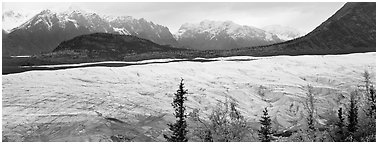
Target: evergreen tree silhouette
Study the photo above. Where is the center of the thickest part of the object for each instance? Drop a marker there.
(179, 128)
(265, 132)
(340, 126)
(372, 102)
(353, 114)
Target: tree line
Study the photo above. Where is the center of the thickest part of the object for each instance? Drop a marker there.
(354, 121)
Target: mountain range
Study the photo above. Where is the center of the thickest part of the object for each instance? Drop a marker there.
(350, 29)
(220, 35)
(44, 31)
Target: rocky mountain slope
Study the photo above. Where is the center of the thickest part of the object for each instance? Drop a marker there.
(283, 32)
(221, 35)
(352, 26)
(47, 29)
(351, 29)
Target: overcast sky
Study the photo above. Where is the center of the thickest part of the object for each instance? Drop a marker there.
(303, 16)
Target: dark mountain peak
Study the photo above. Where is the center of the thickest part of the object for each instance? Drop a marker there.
(348, 8)
(351, 26)
(351, 12)
(106, 45)
(351, 29)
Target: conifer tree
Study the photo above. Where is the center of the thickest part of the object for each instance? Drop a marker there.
(370, 96)
(311, 113)
(372, 102)
(340, 126)
(265, 132)
(179, 128)
(367, 81)
(353, 114)
(367, 120)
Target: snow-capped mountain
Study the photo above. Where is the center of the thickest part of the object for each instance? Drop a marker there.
(222, 35)
(12, 19)
(142, 28)
(283, 32)
(44, 31)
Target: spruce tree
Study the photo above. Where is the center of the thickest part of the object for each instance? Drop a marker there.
(372, 102)
(179, 128)
(369, 96)
(340, 126)
(265, 132)
(310, 108)
(367, 120)
(367, 81)
(353, 114)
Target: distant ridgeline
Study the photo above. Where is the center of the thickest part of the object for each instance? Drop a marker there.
(105, 45)
(351, 29)
(44, 31)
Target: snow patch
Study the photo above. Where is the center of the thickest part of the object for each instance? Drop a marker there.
(121, 31)
(74, 22)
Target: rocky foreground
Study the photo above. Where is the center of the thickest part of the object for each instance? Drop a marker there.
(94, 103)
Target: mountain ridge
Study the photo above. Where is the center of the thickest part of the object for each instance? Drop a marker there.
(44, 31)
(350, 30)
(220, 35)
(107, 45)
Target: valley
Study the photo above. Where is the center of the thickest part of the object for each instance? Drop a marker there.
(78, 76)
(94, 103)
